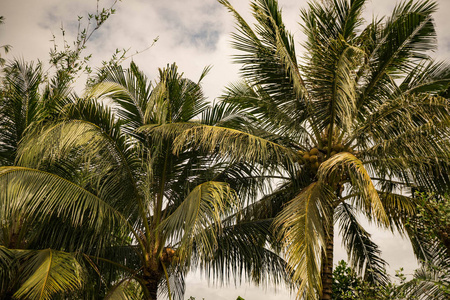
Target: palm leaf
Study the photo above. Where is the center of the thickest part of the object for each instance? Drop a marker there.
(363, 254)
(234, 144)
(302, 231)
(346, 163)
(197, 220)
(38, 195)
(243, 252)
(48, 273)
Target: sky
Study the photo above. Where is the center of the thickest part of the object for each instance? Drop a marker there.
(194, 34)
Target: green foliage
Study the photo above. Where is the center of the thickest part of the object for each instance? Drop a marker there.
(69, 58)
(433, 218)
(429, 282)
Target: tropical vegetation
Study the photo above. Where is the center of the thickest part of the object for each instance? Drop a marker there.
(120, 191)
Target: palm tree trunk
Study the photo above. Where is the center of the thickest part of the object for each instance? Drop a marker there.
(327, 264)
(151, 279)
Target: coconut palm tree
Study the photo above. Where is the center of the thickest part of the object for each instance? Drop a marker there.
(354, 125)
(27, 100)
(106, 190)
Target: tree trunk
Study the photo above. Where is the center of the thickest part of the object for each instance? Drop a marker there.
(327, 263)
(151, 279)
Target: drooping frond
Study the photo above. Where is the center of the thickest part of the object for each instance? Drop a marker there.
(332, 170)
(363, 254)
(197, 220)
(398, 209)
(234, 144)
(98, 154)
(39, 195)
(244, 252)
(175, 283)
(303, 233)
(48, 273)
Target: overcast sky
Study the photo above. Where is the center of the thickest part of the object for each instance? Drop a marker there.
(194, 34)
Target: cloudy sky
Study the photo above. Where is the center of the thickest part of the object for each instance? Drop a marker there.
(194, 34)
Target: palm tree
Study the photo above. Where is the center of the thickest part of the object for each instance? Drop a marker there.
(107, 191)
(27, 100)
(356, 124)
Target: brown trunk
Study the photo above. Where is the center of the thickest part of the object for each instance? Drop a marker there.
(151, 279)
(327, 264)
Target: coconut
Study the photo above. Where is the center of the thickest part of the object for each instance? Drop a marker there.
(306, 157)
(314, 151)
(333, 153)
(315, 165)
(338, 147)
(313, 158)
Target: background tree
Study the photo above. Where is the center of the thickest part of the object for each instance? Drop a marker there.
(5, 48)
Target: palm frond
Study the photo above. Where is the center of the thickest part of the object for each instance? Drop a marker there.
(404, 40)
(20, 106)
(243, 252)
(301, 225)
(48, 273)
(363, 254)
(39, 195)
(234, 144)
(269, 58)
(346, 163)
(197, 220)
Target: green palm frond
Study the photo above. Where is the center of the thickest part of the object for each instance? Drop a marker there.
(270, 58)
(48, 273)
(302, 231)
(38, 195)
(175, 283)
(363, 254)
(129, 89)
(224, 115)
(337, 95)
(429, 76)
(286, 120)
(431, 280)
(8, 267)
(407, 34)
(234, 144)
(125, 289)
(197, 220)
(243, 252)
(398, 209)
(98, 154)
(346, 163)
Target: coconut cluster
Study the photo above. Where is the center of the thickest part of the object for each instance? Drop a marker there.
(317, 155)
(168, 255)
